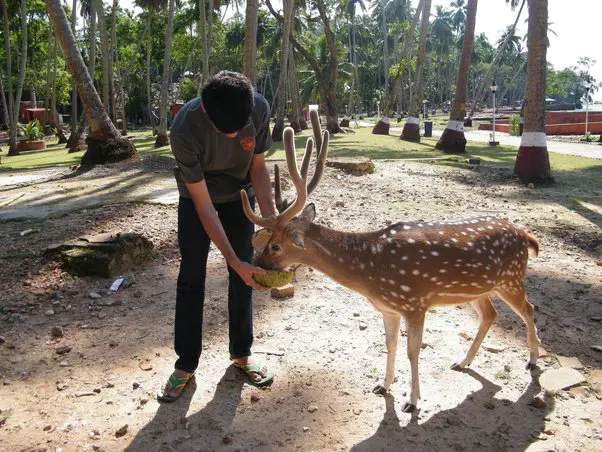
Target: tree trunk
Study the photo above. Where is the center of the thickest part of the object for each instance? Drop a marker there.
(149, 94)
(250, 51)
(487, 78)
(452, 139)
(112, 52)
(296, 110)
(206, 26)
(48, 65)
(162, 138)
(124, 122)
(411, 128)
(382, 126)
(289, 11)
(385, 47)
(532, 161)
(73, 87)
(104, 42)
(5, 118)
(14, 103)
(105, 144)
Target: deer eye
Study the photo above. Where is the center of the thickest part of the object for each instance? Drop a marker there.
(275, 248)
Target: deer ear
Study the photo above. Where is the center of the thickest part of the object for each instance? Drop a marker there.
(309, 212)
(298, 240)
(260, 239)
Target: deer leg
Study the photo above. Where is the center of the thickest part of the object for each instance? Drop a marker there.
(487, 315)
(415, 326)
(517, 300)
(392, 322)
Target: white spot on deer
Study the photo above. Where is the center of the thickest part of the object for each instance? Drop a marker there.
(425, 275)
(392, 232)
(415, 272)
(404, 258)
(371, 264)
(443, 270)
(433, 279)
(405, 288)
(410, 240)
(441, 233)
(384, 236)
(406, 227)
(393, 266)
(340, 259)
(391, 282)
(383, 279)
(434, 253)
(454, 240)
(362, 266)
(402, 272)
(420, 225)
(393, 251)
(393, 294)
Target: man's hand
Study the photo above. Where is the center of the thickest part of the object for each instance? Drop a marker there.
(246, 271)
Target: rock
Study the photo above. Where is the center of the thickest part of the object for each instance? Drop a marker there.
(359, 165)
(305, 429)
(254, 398)
(557, 379)
(135, 385)
(356, 314)
(357, 411)
(465, 335)
(96, 390)
(56, 331)
(339, 204)
(48, 427)
(61, 386)
(538, 402)
(49, 312)
(2, 339)
(598, 348)
(580, 391)
(312, 408)
(85, 394)
(28, 232)
(63, 364)
(94, 295)
(494, 348)
(572, 362)
(595, 379)
(227, 439)
(62, 349)
(531, 185)
(104, 255)
(122, 431)
(143, 401)
(145, 365)
(363, 325)
(283, 292)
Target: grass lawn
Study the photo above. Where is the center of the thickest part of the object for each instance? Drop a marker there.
(361, 143)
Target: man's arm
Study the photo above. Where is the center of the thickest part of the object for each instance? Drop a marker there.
(262, 186)
(210, 221)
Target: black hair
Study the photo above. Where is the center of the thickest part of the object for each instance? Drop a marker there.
(228, 100)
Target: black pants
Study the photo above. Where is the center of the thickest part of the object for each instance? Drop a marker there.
(190, 297)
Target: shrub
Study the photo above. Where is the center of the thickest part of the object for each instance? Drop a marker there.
(514, 125)
(33, 130)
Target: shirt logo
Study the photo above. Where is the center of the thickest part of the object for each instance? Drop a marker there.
(248, 144)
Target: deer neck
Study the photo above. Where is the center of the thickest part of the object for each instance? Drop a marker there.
(337, 254)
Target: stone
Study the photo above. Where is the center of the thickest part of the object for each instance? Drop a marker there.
(465, 335)
(538, 402)
(94, 296)
(595, 379)
(494, 348)
(56, 331)
(49, 312)
(563, 378)
(145, 365)
(84, 393)
(28, 232)
(105, 255)
(363, 326)
(283, 292)
(254, 398)
(2, 339)
(355, 166)
(339, 204)
(122, 431)
(227, 439)
(312, 408)
(572, 362)
(62, 349)
(305, 429)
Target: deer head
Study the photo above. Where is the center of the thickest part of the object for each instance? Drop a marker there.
(282, 241)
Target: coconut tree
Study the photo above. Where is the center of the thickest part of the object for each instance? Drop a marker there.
(73, 87)
(411, 128)
(105, 144)
(14, 102)
(452, 139)
(297, 121)
(250, 52)
(532, 161)
(288, 12)
(206, 30)
(162, 138)
(104, 43)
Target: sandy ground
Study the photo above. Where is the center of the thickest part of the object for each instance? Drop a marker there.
(325, 345)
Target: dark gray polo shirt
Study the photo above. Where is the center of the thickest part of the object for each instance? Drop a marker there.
(202, 152)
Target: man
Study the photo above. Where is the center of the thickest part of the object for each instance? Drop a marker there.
(218, 141)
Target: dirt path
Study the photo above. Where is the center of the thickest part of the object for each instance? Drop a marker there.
(326, 345)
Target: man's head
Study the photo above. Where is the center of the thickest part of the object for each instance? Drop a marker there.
(228, 100)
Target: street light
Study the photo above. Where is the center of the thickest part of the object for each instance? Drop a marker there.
(587, 88)
(493, 90)
(424, 103)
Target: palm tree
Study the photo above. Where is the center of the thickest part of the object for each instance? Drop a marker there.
(452, 139)
(288, 12)
(14, 102)
(73, 87)
(411, 128)
(105, 144)
(532, 161)
(162, 138)
(104, 42)
(297, 121)
(349, 10)
(250, 52)
(206, 29)
(458, 13)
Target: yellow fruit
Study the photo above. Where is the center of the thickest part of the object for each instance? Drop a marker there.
(274, 278)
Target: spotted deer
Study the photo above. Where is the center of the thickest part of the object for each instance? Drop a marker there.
(405, 269)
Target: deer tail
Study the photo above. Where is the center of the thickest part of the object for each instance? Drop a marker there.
(533, 244)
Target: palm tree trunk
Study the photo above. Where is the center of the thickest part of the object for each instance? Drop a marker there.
(104, 42)
(112, 52)
(532, 161)
(162, 138)
(452, 139)
(73, 87)
(382, 126)
(124, 122)
(5, 118)
(296, 111)
(385, 47)
(206, 29)
(48, 65)
(411, 128)
(105, 144)
(487, 78)
(250, 50)
(517, 74)
(289, 10)
(14, 103)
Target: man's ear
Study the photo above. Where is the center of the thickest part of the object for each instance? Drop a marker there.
(309, 212)
(260, 239)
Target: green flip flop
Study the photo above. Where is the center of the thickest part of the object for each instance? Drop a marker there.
(175, 383)
(265, 381)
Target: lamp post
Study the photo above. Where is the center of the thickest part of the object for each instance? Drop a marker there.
(586, 111)
(493, 90)
(424, 102)
(378, 108)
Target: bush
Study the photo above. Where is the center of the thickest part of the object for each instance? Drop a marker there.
(33, 130)
(188, 89)
(514, 125)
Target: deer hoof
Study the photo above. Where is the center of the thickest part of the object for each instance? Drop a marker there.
(531, 366)
(458, 367)
(379, 390)
(408, 407)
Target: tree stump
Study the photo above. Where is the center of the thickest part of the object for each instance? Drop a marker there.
(104, 255)
(352, 166)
